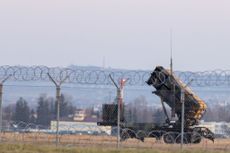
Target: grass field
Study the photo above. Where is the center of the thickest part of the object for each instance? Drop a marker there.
(103, 141)
(28, 148)
(42, 143)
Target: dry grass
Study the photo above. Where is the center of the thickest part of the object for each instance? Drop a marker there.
(106, 142)
(28, 148)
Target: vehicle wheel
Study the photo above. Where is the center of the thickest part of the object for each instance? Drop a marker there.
(196, 138)
(185, 139)
(169, 138)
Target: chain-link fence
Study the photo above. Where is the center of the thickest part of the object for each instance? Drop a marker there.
(83, 95)
(94, 136)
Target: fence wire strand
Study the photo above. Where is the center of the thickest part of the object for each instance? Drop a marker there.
(101, 76)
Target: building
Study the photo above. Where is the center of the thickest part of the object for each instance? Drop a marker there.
(221, 129)
(79, 115)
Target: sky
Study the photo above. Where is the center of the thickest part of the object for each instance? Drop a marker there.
(129, 34)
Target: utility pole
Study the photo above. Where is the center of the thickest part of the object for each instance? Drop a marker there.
(58, 100)
(182, 112)
(119, 98)
(1, 93)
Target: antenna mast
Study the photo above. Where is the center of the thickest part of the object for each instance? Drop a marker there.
(171, 52)
(171, 71)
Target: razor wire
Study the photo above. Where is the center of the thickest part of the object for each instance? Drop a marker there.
(97, 76)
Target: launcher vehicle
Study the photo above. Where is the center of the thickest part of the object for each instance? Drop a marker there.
(168, 88)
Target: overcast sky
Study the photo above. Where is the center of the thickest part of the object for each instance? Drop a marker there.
(130, 34)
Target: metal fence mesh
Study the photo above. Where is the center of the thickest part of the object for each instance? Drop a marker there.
(89, 90)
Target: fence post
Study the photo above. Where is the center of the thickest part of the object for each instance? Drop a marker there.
(58, 100)
(1, 93)
(119, 100)
(118, 116)
(58, 95)
(182, 118)
(182, 112)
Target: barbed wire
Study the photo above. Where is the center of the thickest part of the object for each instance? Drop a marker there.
(99, 76)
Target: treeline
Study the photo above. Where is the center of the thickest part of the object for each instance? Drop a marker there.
(218, 113)
(139, 111)
(44, 112)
